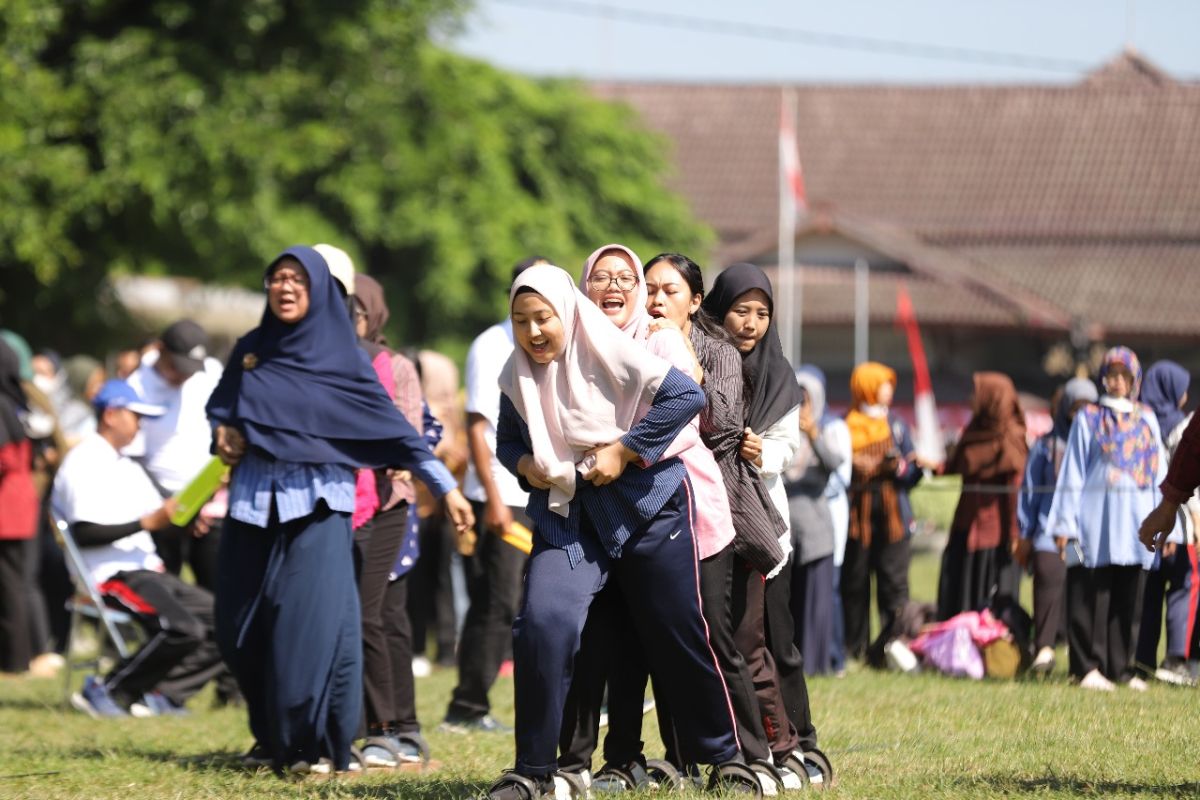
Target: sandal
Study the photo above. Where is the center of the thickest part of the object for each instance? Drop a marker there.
(734, 776)
(515, 786)
(663, 774)
(815, 758)
(613, 778)
(769, 777)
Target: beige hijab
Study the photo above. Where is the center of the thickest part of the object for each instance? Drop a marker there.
(589, 395)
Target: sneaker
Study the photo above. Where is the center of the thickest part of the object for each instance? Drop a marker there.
(96, 701)
(156, 704)
(485, 724)
(1175, 672)
(1043, 662)
(1137, 684)
(647, 706)
(421, 667)
(900, 658)
(257, 757)
(1096, 682)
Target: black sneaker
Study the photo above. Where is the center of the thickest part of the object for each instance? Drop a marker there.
(485, 724)
(1175, 672)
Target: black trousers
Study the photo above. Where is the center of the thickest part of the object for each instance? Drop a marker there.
(889, 561)
(495, 576)
(177, 546)
(1049, 592)
(780, 627)
(1105, 609)
(14, 608)
(397, 628)
(180, 654)
(813, 611)
(656, 574)
(431, 593)
(51, 622)
(376, 545)
(750, 638)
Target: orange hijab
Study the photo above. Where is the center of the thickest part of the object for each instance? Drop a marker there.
(866, 429)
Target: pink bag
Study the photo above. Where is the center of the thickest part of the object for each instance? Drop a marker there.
(953, 652)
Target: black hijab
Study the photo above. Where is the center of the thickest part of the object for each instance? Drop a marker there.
(306, 392)
(12, 396)
(771, 381)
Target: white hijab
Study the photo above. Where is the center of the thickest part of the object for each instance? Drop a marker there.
(638, 323)
(587, 396)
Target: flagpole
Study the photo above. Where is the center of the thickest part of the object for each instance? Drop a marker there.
(787, 233)
(862, 310)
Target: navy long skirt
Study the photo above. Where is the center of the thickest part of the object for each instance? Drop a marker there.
(287, 623)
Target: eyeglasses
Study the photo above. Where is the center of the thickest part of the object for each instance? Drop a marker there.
(280, 278)
(599, 281)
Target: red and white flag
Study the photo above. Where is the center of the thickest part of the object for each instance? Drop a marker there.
(927, 437)
(791, 174)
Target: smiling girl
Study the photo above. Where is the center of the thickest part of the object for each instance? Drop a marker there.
(743, 300)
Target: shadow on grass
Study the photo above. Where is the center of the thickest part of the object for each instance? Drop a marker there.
(33, 704)
(1007, 784)
(377, 783)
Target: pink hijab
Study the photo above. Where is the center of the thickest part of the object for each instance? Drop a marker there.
(639, 322)
(589, 395)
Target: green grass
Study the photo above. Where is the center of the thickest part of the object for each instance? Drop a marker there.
(890, 736)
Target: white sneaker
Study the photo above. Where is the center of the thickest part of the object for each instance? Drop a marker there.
(900, 658)
(1043, 662)
(791, 781)
(1097, 682)
(421, 667)
(1137, 684)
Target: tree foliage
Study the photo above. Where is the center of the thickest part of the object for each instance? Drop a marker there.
(200, 139)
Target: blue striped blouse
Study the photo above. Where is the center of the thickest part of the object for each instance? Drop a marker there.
(615, 510)
(296, 487)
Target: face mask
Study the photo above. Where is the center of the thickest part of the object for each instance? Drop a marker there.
(874, 410)
(49, 384)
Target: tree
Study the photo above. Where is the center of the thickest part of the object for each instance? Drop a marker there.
(167, 137)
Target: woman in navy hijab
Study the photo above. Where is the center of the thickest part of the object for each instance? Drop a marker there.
(299, 408)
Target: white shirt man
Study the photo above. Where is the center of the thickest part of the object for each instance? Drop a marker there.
(112, 507)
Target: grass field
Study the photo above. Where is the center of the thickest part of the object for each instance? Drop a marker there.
(889, 736)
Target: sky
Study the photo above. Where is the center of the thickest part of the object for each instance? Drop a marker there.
(854, 41)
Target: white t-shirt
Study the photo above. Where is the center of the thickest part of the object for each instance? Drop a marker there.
(485, 360)
(97, 484)
(176, 445)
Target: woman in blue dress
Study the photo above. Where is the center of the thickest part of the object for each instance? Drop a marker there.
(298, 410)
(1108, 484)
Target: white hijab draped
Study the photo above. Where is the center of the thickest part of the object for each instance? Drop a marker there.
(589, 394)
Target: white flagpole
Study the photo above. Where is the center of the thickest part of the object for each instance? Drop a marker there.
(788, 318)
(862, 310)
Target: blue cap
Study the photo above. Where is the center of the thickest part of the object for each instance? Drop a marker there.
(117, 393)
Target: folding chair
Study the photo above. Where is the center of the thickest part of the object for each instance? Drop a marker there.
(88, 602)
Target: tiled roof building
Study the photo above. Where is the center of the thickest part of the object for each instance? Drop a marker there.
(1018, 212)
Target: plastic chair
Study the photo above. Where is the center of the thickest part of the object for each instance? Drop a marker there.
(88, 602)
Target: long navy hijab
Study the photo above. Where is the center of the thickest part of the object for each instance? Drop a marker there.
(305, 392)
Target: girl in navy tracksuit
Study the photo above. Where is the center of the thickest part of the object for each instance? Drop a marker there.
(585, 418)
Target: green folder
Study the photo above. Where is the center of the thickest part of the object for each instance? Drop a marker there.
(197, 493)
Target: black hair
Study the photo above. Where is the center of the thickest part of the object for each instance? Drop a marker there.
(691, 273)
(532, 261)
